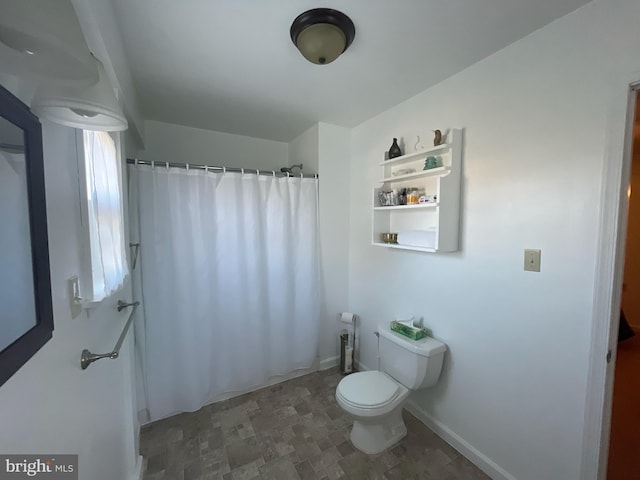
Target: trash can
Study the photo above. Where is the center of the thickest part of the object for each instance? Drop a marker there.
(346, 353)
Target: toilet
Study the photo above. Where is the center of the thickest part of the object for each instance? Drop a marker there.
(375, 398)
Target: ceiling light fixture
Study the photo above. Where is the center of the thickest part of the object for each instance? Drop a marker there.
(90, 108)
(322, 34)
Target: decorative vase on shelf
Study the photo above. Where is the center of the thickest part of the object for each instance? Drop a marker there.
(437, 138)
(431, 162)
(394, 150)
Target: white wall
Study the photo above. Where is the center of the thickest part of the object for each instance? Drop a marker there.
(324, 149)
(165, 142)
(333, 170)
(50, 405)
(305, 149)
(102, 33)
(534, 114)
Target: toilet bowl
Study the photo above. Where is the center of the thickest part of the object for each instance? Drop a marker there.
(374, 399)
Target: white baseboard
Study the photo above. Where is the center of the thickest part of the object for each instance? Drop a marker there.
(139, 470)
(328, 363)
(484, 463)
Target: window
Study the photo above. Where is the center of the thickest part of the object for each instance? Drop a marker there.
(104, 215)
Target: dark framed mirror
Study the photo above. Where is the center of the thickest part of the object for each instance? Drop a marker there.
(26, 314)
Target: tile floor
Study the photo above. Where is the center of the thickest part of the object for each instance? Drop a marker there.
(293, 430)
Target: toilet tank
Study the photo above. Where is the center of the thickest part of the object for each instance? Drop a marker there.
(415, 364)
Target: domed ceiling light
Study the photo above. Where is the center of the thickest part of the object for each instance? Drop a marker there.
(322, 34)
(43, 38)
(91, 108)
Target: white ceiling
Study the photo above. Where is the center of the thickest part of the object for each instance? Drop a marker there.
(230, 65)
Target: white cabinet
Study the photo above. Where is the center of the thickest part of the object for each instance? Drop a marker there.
(432, 226)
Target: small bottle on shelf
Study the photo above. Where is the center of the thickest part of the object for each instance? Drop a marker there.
(412, 196)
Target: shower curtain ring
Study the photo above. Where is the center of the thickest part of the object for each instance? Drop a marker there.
(166, 164)
(206, 169)
(242, 170)
(257, 172)
(273, 172)
(187, 167)
(153, 164)
(224, 170)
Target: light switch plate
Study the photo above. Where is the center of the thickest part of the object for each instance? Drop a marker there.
(532, 260)
(75, 301)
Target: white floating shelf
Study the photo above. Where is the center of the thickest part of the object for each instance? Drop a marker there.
(404, 247)
(442, 216)
(408, 207)
(432, 172)
(410, 157)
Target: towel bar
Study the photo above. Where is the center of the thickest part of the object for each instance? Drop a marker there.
(87, 358)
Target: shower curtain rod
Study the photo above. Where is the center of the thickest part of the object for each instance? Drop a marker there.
(134, 161)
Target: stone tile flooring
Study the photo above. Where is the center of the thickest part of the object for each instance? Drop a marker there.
(293, 430)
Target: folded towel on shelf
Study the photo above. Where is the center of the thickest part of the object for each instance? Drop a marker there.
(418, 238)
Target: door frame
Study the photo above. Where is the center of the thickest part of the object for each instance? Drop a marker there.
(616, 173)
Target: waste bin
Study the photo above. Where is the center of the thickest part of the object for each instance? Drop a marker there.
(346, 353)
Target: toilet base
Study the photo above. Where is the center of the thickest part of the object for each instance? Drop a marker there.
(375, 435)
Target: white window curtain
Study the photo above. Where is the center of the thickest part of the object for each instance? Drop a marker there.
(229, 279)
(104, 213)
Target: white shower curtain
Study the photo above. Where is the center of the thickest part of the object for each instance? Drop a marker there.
(229, 278)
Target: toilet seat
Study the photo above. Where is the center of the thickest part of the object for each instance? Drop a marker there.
(370, 389)
(369, 393)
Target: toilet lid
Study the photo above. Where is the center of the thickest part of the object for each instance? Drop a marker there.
(368, 389)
